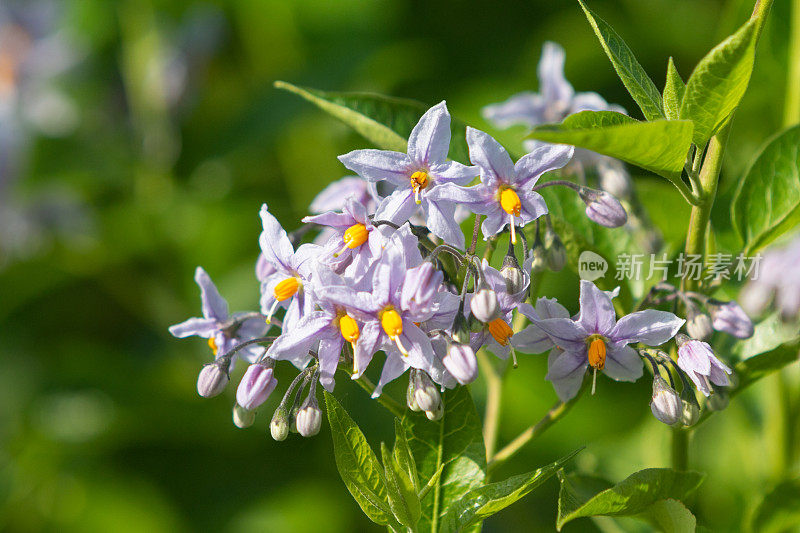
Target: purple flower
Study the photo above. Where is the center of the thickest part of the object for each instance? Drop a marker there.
(417, 175)
(697, 360)
(505, 193)
(354, 243)
(223, 331)
(389, 324)
(730, 318)
(286, 286)
(598, 340)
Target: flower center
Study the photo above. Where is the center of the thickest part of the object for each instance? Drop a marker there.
(392, 324)
(419, 180)
(597, 352)
(212, 343)
(500, 331)
(286, 289)
(511, 204)
(355, 236)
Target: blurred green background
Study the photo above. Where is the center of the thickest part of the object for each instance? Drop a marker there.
(170, 138)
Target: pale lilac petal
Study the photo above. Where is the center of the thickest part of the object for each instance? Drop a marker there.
(550, 308)
(532, 339)
(335, 220)
(453, 172)
(597, 312)
(251, 328)
(495, 221)
(329, 351)
(366, 346)
(492, 159)
(523, 108)
(470, 196)
(418, 344)
(442, 222)
(533, 206)
(552, 83)
(379, 165)
(623, 364)
(331, 198)
(214, 306)
(301, 336)
(202, 327)
(360, 303)
(430, 139)
(718, 373)
(393, 368)
(397, 207)
(651, 327)
(274, 242)
(569, 335)
(566, 374)
(542, 159)
(304, 260)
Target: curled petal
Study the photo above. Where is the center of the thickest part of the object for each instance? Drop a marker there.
(597, 312)
(378, 165)
(651, 327)
(202, 327)
(430, 139)
(214, 305)
(442, 222)
(544, 158)
(492, 159)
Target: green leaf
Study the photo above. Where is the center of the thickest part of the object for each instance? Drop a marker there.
(633, 76)
(718, 83)
(403, 456)
(403, 497)
(483, 502)
(674, 88)
(453, 443)
(384, 121)
(670, 516)
(357, 464)
(767, 201)
(659, 146)
(633, 496)
(779, 510)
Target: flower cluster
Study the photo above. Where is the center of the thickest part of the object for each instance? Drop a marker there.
(391, 273)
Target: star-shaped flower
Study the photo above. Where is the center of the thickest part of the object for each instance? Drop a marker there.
(417, 174)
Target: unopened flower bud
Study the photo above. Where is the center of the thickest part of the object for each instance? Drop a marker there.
(460, 361)
(420, 286)
(512, 274)
(436, 413)
(718, 401)
(555, 252)
(212, 380)
(411, 397)
(730, 318)
(256, 385)
(425, 392)
(279, 426)
(698, 324)
(308, 419)
(539, 258)
(603, 208)
(461, 332)
(243, 418)
(484, 305)
(666, 403)
(691, 412)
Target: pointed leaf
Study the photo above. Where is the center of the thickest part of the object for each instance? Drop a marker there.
(357, 464)
(767, 202)
(454, 443)
(718, 83)
(403, 498)
(659, 146)
(635, 495)
(633, 76)
(670, 516)
(481, 503)
(432, 482)
(403, 456)
(674, 88)
(384, 121)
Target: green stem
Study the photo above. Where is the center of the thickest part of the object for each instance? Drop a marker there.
(555, 414)
(494, 394)
(791, 112)
(680, 449)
